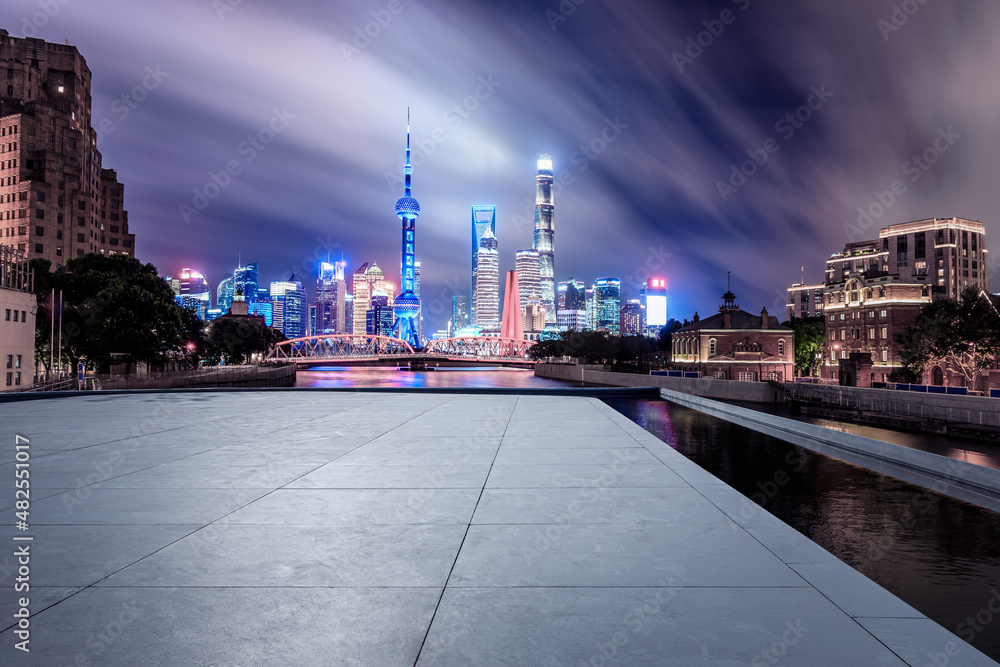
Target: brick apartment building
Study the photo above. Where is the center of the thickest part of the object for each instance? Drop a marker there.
(874, 290)
(56, 199)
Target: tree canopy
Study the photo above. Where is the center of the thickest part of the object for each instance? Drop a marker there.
(963, 334)
(810, 333)
(119, 310)
(234, 340)
(595, 347)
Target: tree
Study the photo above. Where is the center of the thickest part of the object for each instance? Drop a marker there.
(963, 334)
(44, 282)
(665, 341)
(234, 340)
(810, 334)
(119, 310)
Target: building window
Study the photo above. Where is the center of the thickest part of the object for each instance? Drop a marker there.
(38, 248)
(871, 333)
(8, 314)
(10, 359)
(885, 332)
(39, 213)
(885, 354)
(871, 314)
(881, 292)
(39, 231)
(10, 379)
(712, 344)
(843, 334)
(882, 313)
(17, 378)
(17, 361)
(781, 347)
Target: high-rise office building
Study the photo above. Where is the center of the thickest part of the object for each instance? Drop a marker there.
(348, 313)
(631, 318)
(533, 320)
(367, 279)
(483, 218)
(406, 306)
(56, 199)
(487, 297)
(191, 290)
(459, 315)
(607, 298)
(591, 308)
(263, 309)
(526, 265)
(416, 290)
(330, 298)
(545, 236)
(379, 318)
(571, 304)
(245, 278)
(289, 307)
(653, 297)
(225, 292)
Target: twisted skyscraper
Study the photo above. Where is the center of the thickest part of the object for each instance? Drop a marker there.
(407, 305)
(544, 237)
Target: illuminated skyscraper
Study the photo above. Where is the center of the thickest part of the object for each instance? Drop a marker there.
(289, 307)
(483, 218)
(191, 290)
(459, 315)
(591, 309)
(545, 236)
(654, 298)
(378, 318)
(631, 318)
(330, 298)
(607, 299)
(406, 306)
(487, 297)
(349, 313)
(245, 279)
(367, 279)
(225, 292)
(416, 290)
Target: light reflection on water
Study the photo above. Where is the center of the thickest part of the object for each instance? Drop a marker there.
(457, 377)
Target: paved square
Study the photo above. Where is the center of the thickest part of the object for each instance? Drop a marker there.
(315, 528)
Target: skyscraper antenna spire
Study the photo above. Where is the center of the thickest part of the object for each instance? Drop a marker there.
(408, 169)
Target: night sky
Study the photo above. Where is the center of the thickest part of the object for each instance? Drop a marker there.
(645, 122)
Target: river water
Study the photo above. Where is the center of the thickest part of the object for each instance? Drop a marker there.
(940, 555)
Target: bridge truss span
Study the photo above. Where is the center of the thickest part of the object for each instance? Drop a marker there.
(340, 346)
(480, 347)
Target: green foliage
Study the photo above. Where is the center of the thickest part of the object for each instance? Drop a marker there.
(234, 340)
(120, 310)
(666, 339)
(963, 334)
(596, 347)
(810, 333)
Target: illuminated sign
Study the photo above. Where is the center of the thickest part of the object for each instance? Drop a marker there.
(656, 310)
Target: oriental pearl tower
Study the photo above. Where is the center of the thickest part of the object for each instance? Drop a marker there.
(406, 306)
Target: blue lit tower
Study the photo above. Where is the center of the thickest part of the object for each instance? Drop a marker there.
(406, 306)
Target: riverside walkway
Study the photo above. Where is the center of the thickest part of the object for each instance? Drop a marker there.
(336, 528)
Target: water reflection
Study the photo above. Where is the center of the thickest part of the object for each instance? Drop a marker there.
(939, 554)
(457, 377)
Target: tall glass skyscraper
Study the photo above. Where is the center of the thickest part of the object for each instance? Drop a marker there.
(545, 236)
(245, 279)
(487, 297)
(459, 315)
(330, 297)
(191, 290)
(225, 292)
(607, 304)
(483, 218)
(289, 307)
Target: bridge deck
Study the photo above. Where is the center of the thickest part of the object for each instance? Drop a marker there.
(431, 529)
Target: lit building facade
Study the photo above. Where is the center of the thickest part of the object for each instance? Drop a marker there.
(572, 320)
(367, 280)
(735, 345)
(545, 236)
(191, 290)
(631, 318)
(289, 307)
(459, 315)
(526, 265)
(653, 297)
(19, 309)
(379, 318)
(483, 217)
(245, 279)
(487, 297)
(331, 296)
(805, 301)
(56, 199)
(224, 293)
(591, 309)
(607, 304)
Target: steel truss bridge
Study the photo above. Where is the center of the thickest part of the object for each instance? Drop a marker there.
(314, 350)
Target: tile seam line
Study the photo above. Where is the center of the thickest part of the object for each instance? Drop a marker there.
(111, 574)
(468, 527)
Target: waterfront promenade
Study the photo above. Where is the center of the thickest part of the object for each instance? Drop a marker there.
(345, 528)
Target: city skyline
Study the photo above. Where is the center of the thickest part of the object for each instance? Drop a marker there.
(651, 195)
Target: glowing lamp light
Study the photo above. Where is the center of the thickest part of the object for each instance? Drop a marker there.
(545, 164)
